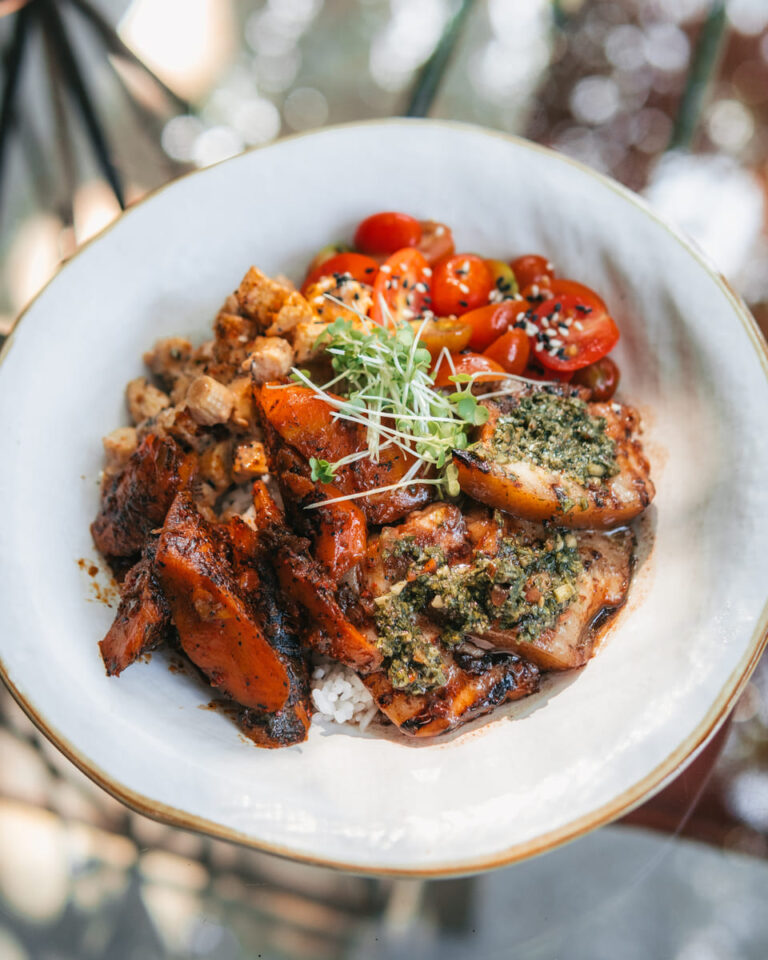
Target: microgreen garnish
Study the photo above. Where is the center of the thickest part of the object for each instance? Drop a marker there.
(383, 381)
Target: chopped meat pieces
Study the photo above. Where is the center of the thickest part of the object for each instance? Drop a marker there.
(208, 401)
(269, 358)
(145, 400)
(250, 461)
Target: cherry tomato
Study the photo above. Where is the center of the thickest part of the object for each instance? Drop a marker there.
(587, 295)
(467, 363)
(489, 322)
(362, 268)
(532, 269)
(602, 378)
(436, 241)
(503, 280)
(403, 283)
(387, 232)
(461, 283)
(511, 351)
(572, 333)
(444, 334)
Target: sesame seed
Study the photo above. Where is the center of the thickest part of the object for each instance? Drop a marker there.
(427, 271)
(464, 288)
(439, 230)
(408, 314)
(539, 347)
(535, 290)
(552, 353)
(578, 324)
(563, 329)
(531, 329)
(545, 322)
(549, 265)
(582, 309)
(521, 315)
(554, 342)
(463, 303)
(317, 299)
(385, 268)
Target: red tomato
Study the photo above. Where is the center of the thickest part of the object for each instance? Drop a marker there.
(532, 269)
(511, 351)
(601, 377)
(436, 241)
(587, 296)
(403, 283)
(387, 232)
(489, 322)
(461, 283)
(573, 333)
(467, 363)
(362, 268)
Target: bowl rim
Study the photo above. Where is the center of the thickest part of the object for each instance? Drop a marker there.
(626, 801)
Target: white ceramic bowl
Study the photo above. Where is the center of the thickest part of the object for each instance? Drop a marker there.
(591, 744)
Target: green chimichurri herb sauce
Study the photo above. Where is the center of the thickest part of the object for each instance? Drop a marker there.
(557, 433)
(524, 587)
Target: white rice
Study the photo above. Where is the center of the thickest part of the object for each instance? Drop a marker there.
(339, 694)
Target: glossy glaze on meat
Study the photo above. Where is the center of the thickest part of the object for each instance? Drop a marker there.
(229, 620)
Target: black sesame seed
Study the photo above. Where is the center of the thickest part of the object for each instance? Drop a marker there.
(583, 309)
(463, 303)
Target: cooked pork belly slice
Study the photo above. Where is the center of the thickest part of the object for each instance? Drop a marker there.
(601, 588)
(474, 686)
(295, 416)
(308, 584)
(143, 619)
(521, 486)
(443, 540)
(138, 497)
(226, 614)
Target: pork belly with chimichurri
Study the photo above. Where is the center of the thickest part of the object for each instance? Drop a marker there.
(546, 454)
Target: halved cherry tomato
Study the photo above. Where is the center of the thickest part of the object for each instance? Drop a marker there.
(572, 333)
(461, 283)
(404, 284)
(532, 269)
(467, 363)
(511, 351)
(360, 267)
(436, 241)
(587, 295)
(442, 334)
(384, 233)
(602, 378)
(489, 322)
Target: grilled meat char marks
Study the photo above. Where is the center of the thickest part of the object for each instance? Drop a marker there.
(139, 497)
(225, 611)
(143, 618)
(474, 686)
(536, 492)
